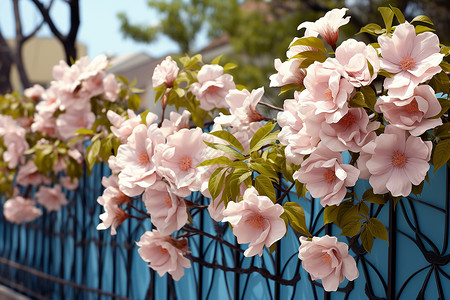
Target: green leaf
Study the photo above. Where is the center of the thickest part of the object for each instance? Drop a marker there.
(296, 216)
(221, 160)
(385, 73)
(215, 183)
(366, 239)
(312, 55)
(84, 131)
(243, 177)
(260, 134)
(441, 154)
(377, 229)
(300, 189)
(264, 186)
(388, 17)
(363, 209)
(133, 101)
(442, 131)
(370, 98)
(398, 13)
(288, 87)
(369, 196)
(417, 189)
(91, 153)
(264, 168)
(445, 65)
(313, 42)
(160, 91)
(228, 137)
(423, 19)
(440, 83)
(229, 66)
(351, 228)
(330, 214)
(419, 29)
(373, 29)
(358, 100)
(216, 60)
(227, 149)
(268, 138)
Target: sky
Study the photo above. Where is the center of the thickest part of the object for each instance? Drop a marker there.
(99, 28)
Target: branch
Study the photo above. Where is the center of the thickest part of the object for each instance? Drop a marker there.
(45, 14)
(271, 106)
(191, 229)
(263, 272)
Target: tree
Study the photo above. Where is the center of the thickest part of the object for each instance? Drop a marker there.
(12, 55)
(262, 30)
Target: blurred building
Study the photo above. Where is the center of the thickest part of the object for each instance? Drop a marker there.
(39, 57)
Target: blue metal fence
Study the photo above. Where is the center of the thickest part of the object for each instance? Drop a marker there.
(62, 256)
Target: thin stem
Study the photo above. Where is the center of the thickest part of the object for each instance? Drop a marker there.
(270, 106)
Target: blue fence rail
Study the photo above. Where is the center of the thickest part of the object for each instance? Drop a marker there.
(62, 256)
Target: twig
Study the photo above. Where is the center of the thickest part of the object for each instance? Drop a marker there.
(270, 106)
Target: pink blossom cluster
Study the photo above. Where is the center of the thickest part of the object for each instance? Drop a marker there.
(158, 163)
(70, 92)
(320, 123)
(14, 139)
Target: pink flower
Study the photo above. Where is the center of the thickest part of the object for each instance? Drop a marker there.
(327, 26)
(255, 220)
(355, 57)
(350, 133)
(138, 171)
(69, 183)
(167, 211)
(73, 120)
(44, 125)
(111, 87)
(289, 72)
(112, 217)
(176, 160)
(49, 105)
(175, 123)
(111, 199)
(165, 73)
(28, 175)
(327, 259)
(18, 210)
(413, 59)
(15, 141)
(414, 113)
(123, 127)
(329, 91)
(397, 161)
(164, 253)
(300, 127)
(212, 87)
(326, 176)
(52, 198)
(34, 92)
